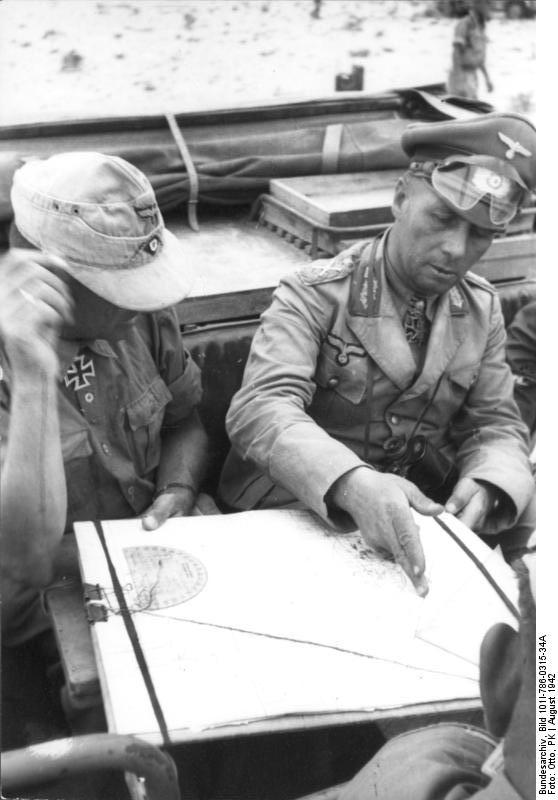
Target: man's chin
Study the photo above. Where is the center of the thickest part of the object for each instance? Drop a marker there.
(114, 331)
(120, 328)
(437, 281)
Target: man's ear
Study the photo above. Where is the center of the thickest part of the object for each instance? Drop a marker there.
(400, 197)
(17, 240)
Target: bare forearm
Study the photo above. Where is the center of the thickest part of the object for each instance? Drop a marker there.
(33, 486)
(181, 470)
(184, 454)
(35, 303)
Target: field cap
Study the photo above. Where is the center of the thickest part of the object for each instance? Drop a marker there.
(484, 167)
(99, 214)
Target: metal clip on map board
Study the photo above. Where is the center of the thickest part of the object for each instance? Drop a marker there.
(95, 606)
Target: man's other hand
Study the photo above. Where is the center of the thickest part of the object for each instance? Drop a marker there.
(471, 502)
(34, 304)
(176, 502)
(380, 505)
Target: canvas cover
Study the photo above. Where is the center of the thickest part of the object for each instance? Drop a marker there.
(235, 162)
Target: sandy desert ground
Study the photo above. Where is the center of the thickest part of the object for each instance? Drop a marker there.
(85, 58)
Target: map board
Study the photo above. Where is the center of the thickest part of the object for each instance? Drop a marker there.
(247, 618)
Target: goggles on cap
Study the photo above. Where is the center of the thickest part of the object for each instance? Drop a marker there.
(466, 181)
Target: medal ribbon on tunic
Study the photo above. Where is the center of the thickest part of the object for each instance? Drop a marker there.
(415, 323)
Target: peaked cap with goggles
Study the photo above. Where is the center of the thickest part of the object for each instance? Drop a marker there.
(484, 168)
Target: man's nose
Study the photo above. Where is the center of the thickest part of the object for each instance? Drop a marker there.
(456, 240)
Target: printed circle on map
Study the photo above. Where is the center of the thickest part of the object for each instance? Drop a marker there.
(163, 576)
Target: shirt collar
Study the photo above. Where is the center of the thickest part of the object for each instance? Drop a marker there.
(69, 348)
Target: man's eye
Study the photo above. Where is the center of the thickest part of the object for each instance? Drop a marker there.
(443, 219)
(481, 233)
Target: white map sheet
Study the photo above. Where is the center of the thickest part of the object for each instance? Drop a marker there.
(259, 615)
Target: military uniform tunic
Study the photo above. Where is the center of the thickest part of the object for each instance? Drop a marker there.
(115, 401)
(330, 362)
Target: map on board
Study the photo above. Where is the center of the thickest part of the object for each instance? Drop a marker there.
(265, 615)
(163, 576)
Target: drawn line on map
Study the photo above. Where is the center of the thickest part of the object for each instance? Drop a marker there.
(310, 643)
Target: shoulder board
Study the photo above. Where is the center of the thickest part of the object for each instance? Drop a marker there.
(476, 280)
(331, 269)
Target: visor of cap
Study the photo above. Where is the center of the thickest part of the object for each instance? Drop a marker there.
(163, 281)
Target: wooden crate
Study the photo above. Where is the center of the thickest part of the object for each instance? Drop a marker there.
(346, 200)
(351, 200)
(509, 258)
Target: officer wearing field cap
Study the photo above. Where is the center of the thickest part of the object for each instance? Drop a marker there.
(98, 400)
(377, 383)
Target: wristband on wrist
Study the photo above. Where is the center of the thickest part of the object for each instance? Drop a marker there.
(173, 485)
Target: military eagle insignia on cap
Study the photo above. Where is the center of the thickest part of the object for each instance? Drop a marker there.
(513, 147)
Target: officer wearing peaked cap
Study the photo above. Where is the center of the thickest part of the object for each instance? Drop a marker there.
(377, 381)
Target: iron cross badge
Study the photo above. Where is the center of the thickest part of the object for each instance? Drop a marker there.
(79, 372)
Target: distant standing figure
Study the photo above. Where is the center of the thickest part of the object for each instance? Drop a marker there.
(469, 52)
(315, 13)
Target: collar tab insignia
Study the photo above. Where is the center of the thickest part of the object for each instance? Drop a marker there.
(458, 304)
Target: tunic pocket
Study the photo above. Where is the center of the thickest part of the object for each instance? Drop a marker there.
(465, 377)
(345, 379)
(453, 392)
(75, 443)
(337, 404)
(145, 417)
